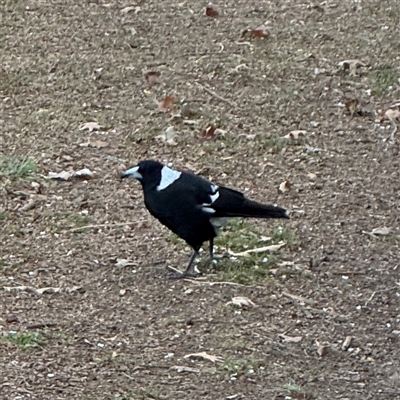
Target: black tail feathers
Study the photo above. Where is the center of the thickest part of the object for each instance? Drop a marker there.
(252, 209)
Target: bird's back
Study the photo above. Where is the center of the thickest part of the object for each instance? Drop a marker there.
(178, 208)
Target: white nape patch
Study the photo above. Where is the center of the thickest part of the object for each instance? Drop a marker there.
(168, 177)
(214, 194)
(207, 210)
(218, 222)
(133, 173)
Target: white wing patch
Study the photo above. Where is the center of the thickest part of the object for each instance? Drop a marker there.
(168, 177)
(213, 196)
(207, 210)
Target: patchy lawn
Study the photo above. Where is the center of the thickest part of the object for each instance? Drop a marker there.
(292, 102)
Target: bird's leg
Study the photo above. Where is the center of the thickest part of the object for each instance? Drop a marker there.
(211, 249)
(190, 269)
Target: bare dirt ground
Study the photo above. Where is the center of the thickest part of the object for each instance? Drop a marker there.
(76, 323)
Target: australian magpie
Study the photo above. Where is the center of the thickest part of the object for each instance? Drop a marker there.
(191, 206)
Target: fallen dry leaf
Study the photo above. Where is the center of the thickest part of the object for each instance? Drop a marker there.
(125, 10)
(291, 339)
(61, 176)
(167, 104)
(29, 206)
(182, 368)
(90, 126)
(241, 302)
(208, 133)
(351, 65)
(351, 106)
(321, 349)
(168, 136)
(284, 187)
(84, 173)
(346, 343)
(294, 135)
(152, 78)
(122, 262)
(260, 32)
(392, 114)
(381, 231)
(48, 290)
(97, 143)
(211, 11)
(204, 356)
(40, 291)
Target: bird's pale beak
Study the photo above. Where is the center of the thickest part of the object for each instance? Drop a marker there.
(132, 173)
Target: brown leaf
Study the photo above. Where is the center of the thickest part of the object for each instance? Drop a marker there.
(208, 133)
(90, 126)
(351, 106)
(167, 104)
(284, 187)
(152, 78)
(205, 356)
(260, 32)
(211, 11)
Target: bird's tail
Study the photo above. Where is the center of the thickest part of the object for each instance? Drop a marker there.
(231, 203)
(252, 209)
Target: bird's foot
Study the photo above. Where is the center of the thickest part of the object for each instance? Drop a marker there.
(177, 274)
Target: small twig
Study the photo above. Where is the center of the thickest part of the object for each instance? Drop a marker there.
(203, 53)
(217, 96)
(348, 272)
(394, 125)
(198, 282)
(370, 299)
(41, 326)
(177, 271)
(298, 298)
(99, 226)
(380, 291)
(271, 248)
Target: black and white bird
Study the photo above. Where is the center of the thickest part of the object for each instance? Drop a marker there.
(191, 206)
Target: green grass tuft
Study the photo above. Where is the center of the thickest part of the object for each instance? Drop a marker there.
(284, 234)
(17, 168)
(239, 366)
(24, 340)
(240, 235)
(382, 78)
(3, 215)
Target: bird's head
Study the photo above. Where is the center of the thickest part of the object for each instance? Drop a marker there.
(147, 172)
